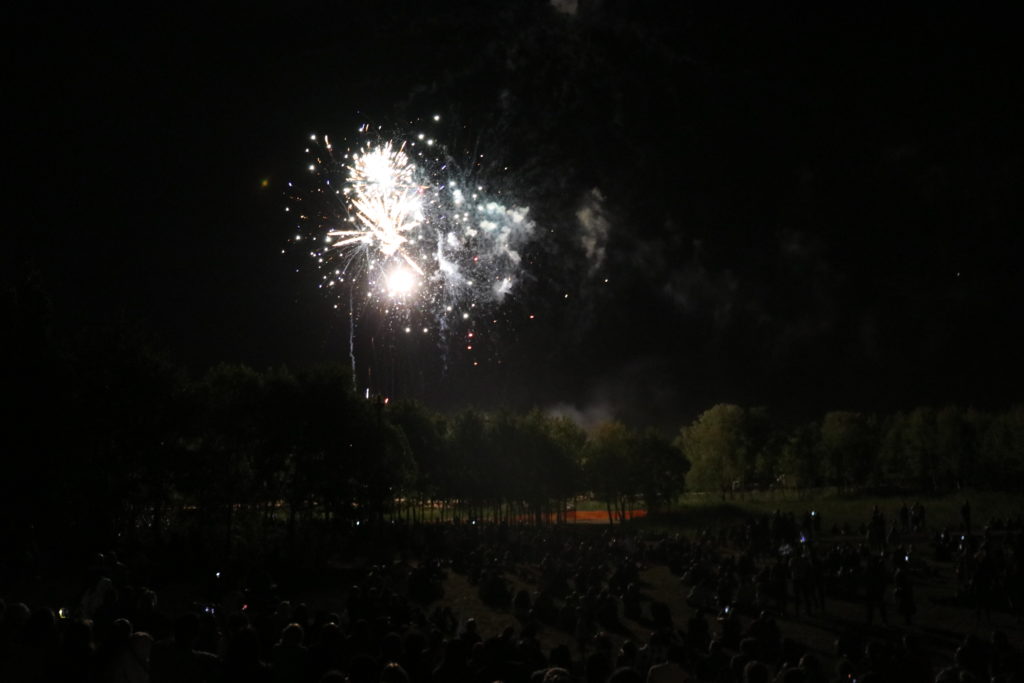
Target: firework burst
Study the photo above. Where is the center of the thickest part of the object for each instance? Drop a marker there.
(400, 228)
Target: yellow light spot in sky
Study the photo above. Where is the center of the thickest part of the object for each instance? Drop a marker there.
(265, 182)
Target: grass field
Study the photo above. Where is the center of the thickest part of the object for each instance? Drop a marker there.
(698, 510)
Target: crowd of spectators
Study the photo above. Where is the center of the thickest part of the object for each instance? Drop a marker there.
(744, 585)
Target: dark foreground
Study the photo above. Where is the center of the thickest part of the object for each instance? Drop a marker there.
(769, 598)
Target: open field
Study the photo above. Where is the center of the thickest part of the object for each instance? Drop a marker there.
(940, 625)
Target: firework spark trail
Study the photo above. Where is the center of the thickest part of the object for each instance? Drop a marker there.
(385, 200)
(352, 336)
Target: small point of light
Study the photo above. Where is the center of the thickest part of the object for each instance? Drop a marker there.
(465, 316)
(566, 296)
(408, 330)
(424, 330)
(312, 167)
(437, 117)
(265, 182)
(313, 137)
(531, 316)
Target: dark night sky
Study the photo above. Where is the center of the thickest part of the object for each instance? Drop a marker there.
(802, 211)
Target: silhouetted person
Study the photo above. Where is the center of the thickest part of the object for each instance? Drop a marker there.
(289, 659)
(453, 667)
(755, 672)
(671, 670)
(625, 674)
(874, 589)
(393, 673)
(326, 654)
(598, 664)
(917, 517)
(242, 661)
(175, 661)
(904, 594)
(77, 659)
(39, 647)
(127, 654)
(800, 571)
(698, 632)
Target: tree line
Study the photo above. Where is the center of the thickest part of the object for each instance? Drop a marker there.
(925, 449)
(107, 440)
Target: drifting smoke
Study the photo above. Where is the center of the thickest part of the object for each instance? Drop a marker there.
(565, 6)
(594, 228)
(587, 417)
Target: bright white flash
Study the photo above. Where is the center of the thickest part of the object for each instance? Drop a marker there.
(401, 282)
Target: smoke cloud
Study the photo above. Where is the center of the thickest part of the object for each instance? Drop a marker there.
(594, 228)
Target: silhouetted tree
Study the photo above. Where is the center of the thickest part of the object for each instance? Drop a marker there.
(717, 446)
(849, 445)
(608, 468)
(800, 457)
(660, 470)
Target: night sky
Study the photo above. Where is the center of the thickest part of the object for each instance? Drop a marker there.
(795, 210)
